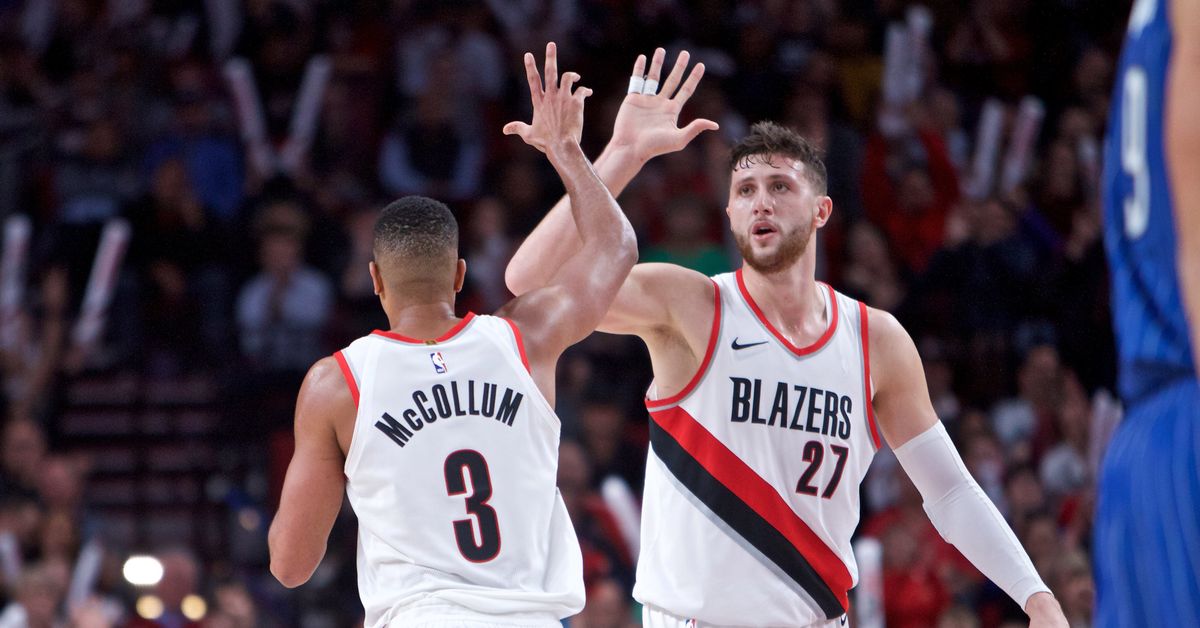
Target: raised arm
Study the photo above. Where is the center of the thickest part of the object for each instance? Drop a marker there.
(955, 503)
(1183, 156)
(645, 128)
(567, 309)
(314, 485)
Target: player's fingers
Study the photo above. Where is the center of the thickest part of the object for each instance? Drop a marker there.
(656, 63)
(535, 81)
(696, 127)
(568, 81)
(551, 66)
(639, 66)
(689, 85)
(583, 92)
(516, 128)
(676, 75)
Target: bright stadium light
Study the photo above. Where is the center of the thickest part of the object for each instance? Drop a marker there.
(142, 571)
(194, 607)
(149, 607)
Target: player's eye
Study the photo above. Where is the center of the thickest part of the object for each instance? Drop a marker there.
(780, 186)
(746, 190)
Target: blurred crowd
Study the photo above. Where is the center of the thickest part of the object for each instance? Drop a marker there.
(248, 145)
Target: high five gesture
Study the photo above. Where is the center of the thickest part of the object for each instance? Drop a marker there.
(648, 119)
(557, 107)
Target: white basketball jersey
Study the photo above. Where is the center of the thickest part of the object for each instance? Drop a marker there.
(754, 470)
(452, 474)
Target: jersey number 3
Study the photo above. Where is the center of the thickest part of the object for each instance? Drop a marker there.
(486, 546)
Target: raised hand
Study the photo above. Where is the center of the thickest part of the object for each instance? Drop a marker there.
(557, 110)
(647, 123)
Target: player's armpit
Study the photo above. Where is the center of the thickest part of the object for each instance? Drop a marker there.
(315, 484)
(901, 401)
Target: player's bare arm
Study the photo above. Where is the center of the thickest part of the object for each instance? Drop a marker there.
(959, 509)
(314, 485)
(646, 127)
(567, 308)
(1183, 155)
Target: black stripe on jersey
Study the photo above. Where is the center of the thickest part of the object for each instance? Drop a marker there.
(755, 530)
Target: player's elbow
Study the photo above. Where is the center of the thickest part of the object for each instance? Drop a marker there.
(290, 564)
(626, 250)
(515, 280)
(289, 571)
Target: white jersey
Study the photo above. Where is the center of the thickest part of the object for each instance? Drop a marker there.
(754, 469)
(452, 474)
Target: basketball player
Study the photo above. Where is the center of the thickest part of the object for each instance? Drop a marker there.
(771, 394)
(441, 430)
(1147, 537)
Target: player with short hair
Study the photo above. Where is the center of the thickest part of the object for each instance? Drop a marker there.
(771, 394)
(442, 430)
(1147, 534)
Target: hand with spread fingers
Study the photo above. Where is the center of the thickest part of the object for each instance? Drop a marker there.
(648, 118)
(557, 107)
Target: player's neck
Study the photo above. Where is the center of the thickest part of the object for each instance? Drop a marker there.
(422, 320)
(790, 299)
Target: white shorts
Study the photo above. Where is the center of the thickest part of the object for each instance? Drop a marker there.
(653, 617)
(435, 615)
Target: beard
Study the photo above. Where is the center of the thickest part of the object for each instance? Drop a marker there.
(792, 245)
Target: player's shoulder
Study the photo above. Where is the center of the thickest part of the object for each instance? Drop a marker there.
(891, 346)
(326, 391)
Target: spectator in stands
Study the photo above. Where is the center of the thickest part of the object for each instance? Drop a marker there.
(38, 596)
(427, 154)
(97, 182)
(210, 155)
(22, 453)
(689, 242)
(282, 311)
(181, 285)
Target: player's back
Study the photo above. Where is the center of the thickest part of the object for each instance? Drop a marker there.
(451, 472)
(1151, 328)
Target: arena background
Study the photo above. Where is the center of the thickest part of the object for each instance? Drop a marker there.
(232, 155)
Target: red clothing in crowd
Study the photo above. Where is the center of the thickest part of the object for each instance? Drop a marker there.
(917, 233)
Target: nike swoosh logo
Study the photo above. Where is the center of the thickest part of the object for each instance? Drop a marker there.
(737, 347)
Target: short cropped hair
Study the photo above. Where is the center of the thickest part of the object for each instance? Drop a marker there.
(767, 139)
(416, 229)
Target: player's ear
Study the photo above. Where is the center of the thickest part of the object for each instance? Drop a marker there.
(376, 279)
(824, 211)
(460, 275)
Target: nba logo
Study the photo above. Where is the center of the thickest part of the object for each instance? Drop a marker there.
(439, 363)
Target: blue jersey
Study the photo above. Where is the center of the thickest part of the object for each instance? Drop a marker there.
(1139, 234)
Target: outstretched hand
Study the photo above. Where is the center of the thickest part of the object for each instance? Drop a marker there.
(647, 122)
(557, 110)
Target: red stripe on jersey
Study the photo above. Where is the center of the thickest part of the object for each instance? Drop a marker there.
(866, 355)
(520, 345)
(800, 351)
(708, 354)
(453, 331)
(732, 472)
(345, 366)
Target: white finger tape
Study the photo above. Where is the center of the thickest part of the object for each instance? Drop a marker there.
(651, 87)
(635, 84)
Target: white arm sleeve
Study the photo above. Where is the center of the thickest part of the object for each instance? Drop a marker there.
(964, 516)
